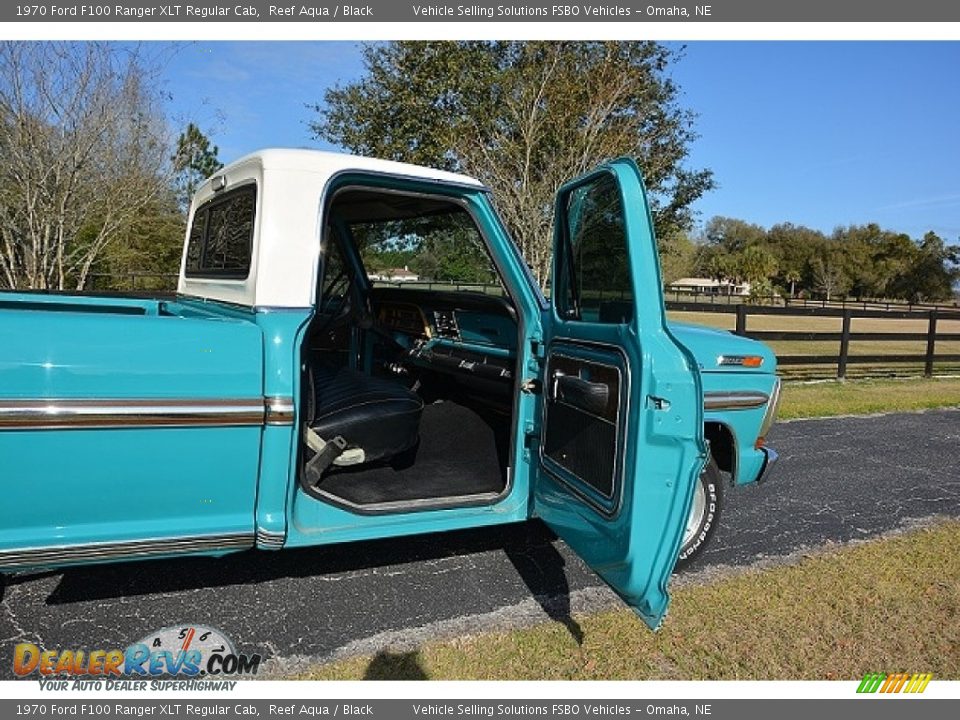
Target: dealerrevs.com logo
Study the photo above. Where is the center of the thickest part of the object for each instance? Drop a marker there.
(185, 651)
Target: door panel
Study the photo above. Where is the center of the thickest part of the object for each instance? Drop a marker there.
(582, 420)
(622, 428)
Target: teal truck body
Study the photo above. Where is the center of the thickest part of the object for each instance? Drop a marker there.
(286, 399)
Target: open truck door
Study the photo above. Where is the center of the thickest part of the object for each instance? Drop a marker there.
(621, 443)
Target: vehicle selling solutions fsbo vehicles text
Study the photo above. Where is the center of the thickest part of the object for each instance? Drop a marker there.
(490, 11)
(559, 11)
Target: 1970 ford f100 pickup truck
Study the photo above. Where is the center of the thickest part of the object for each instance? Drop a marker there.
(284, 399)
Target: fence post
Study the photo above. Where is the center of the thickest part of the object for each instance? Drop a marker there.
(741, 319)
(931, 343)
(844, 345)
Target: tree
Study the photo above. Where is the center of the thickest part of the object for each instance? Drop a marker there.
(737, 250)
(828, 276)
(194, 161)
(524, 117)
(757, 264)
(795, 248)
(932, 273)
(714, 262)
(84, 152)
(793, 277)
(677, 258)
(873, 258)
(733, 235)
(148, 256)
(863, 260)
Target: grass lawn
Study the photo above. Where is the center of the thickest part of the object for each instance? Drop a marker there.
(884, 606)
(861, 397)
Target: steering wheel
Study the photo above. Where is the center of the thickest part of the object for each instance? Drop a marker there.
(354, 309)
(343, 309)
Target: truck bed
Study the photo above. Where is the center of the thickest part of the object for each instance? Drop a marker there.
(114, 304)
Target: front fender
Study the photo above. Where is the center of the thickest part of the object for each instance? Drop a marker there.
(736, 405)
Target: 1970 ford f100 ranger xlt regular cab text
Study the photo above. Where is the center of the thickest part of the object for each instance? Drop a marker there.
(287, 399)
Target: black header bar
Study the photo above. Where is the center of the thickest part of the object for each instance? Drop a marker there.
(538, 11)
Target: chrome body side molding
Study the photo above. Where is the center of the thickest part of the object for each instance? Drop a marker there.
(67, 413)
(270, 540)
(279, 410)
(132, 549)
(734, 400)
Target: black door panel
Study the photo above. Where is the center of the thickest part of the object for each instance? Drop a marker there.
(583, 426)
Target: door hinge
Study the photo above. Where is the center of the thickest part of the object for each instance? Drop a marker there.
(533, 386)
(537, 354)
(531, 436)
(537, 348)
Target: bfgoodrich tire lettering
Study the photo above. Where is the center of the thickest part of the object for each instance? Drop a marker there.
(704, 514)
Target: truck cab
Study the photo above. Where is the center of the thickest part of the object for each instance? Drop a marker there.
(290, 397)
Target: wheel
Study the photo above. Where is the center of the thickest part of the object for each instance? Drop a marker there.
(704, 514)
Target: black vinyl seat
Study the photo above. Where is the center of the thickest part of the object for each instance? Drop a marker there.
(353, 419)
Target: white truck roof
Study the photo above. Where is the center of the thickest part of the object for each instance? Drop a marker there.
(286, 236)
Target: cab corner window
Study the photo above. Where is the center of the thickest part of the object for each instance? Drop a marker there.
(593, 272)
(221, 237)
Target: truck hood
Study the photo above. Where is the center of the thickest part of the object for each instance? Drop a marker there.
(708, 344)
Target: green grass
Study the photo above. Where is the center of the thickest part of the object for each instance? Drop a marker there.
(883, 606)
(862, 397)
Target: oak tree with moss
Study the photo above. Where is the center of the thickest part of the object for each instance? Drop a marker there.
(524, 117)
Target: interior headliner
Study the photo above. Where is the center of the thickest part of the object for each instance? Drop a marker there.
(362, 205)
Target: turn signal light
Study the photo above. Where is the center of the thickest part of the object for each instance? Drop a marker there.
(749, 361)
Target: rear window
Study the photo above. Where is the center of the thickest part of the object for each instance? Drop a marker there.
(221, 237)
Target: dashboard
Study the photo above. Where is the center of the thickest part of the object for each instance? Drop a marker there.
(468, 334)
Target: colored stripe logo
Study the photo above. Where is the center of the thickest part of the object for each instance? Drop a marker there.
(894, 683)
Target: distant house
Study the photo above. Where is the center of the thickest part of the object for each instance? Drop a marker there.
(396, 275)
(709, 286)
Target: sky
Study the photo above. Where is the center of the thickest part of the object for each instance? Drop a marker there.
(822, 134)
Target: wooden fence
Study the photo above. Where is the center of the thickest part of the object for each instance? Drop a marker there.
(843, 358)
(814, 365)
(672, 295)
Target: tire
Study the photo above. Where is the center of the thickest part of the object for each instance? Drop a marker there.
(704, 515)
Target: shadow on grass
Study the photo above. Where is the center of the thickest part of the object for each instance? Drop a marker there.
(395, 666)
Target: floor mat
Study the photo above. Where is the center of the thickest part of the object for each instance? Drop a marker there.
(462, 451)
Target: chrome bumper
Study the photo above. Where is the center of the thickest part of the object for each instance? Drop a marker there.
(770, 458)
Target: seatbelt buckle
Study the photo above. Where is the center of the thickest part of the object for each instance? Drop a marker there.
(323, 459)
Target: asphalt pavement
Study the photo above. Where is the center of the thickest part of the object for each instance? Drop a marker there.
(838, 480)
